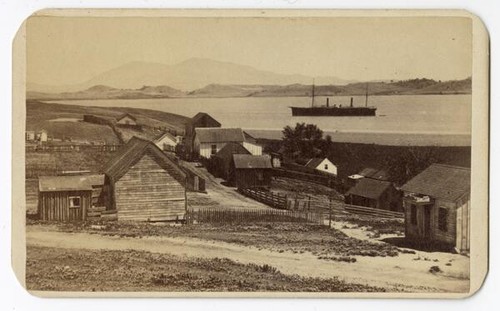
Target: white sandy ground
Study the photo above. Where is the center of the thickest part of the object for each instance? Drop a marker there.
(402, 271)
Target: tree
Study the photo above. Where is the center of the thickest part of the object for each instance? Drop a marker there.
(410, 163)
(305, 140)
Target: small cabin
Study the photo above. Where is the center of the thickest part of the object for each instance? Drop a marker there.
(144, 184)
(323, 165)
(126, 119)
(437, 206)
(249, 171)
(375, 194)
(68, 198)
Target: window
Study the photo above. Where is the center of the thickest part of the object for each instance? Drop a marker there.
(326, 166)
(442, 219)
(74, 202)
(413, 214)
(213, 149)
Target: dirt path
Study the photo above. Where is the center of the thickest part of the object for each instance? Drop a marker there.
(219, 195)
(402, 272)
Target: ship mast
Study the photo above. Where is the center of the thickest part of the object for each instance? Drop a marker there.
(312, 99)
(366, 96)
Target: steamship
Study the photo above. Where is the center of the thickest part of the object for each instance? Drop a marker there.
(334, 111)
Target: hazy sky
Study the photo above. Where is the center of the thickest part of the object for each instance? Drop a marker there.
(71, 50)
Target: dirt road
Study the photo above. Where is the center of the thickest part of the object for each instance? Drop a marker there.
(403, 271)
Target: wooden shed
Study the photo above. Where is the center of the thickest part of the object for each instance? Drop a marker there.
(145, 185)
(68, 198)
(222, 160)
(374, 193)
(437, 206)
(249, 171)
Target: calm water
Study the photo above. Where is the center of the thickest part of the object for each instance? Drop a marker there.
(444, 116)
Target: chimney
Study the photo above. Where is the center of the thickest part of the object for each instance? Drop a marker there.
(327, 102)
(351, 101)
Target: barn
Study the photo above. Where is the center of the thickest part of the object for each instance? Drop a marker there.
(222, 160)
(437, 206)
(375, 194)
(145, 185)
(249, 171)
(68, 198)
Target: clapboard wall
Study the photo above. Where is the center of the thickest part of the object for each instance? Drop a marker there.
(55, 205)
(147, 192)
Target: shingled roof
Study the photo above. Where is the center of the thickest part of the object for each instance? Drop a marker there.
(219, 135)
(251, 161)
(369, 188)
(69, 183)
(132, 152)
(441, 181)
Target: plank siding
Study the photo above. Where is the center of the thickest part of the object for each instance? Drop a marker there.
(54, 206)
(148, 193)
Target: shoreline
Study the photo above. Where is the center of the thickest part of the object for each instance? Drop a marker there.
(381, 138)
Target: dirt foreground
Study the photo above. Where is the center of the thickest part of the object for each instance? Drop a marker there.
(407, 272)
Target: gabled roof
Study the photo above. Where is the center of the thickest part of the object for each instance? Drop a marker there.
(369, 188)
(132, 152)
(69, 183)
(441, 182)
(249, 138)
(374, 173)
(251, 161)
(205, 118)
(219, 135)
(314, 162)
(229, 149)
(126, 115)
(165, 135)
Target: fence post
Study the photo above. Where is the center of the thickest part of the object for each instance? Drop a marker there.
(330, 214)
(309, 202)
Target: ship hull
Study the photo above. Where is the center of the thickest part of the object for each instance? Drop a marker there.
(334, 111)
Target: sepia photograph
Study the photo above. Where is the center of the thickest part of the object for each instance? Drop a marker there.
(252, 152)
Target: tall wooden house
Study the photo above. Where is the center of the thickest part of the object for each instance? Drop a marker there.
(145, 185)
(223, 160)
(200, 120)
(68, 198)
(250, 171)
(437, 206)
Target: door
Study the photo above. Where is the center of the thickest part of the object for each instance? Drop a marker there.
(427, 221)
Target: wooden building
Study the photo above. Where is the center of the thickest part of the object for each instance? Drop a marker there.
(209, 141)
(250, 171)
(375, 194)
(68, 198)
(167, 142)
(322, 165)
(126, 119)
(145, 185)
(437, 206)
(200, 120)
(222, 161)
(250, 144)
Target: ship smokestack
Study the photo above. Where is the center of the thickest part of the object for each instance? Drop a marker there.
(351, 101)
(327, 102)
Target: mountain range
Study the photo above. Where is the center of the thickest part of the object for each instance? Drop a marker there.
(406, 87)
(188, 75)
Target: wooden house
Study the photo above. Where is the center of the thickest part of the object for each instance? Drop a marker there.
(437, 206)
(375, 194)
(145, 185)
(209, 141)
(68, 198)
(250, 144)
(166, 142)
(322, 165)
(249, 171)
(126, 119)
(222, 160)
(200, 120)
(30, 135)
